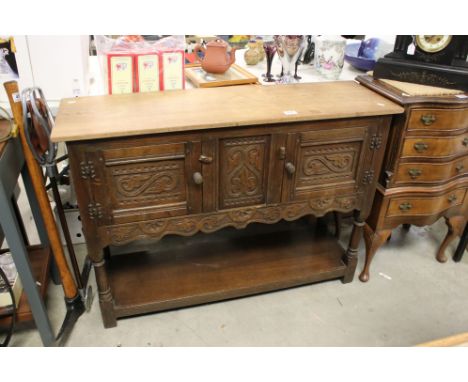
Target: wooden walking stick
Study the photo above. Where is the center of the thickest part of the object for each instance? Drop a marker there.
(72, 297)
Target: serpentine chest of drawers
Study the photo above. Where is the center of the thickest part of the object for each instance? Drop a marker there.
(424, 175)
(148, 165)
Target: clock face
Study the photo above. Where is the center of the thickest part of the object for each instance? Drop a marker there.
(433, 43)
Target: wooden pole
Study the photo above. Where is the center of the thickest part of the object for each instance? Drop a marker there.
(68, 283)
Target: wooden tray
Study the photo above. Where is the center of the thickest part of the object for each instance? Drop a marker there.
(236, 75)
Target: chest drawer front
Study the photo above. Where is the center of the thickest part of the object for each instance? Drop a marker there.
(421, 173)
(425, 206)
(145, 182)
(438, 119)
(243, 171)
(435, 147)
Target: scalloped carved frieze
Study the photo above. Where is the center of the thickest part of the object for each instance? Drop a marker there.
(125, 233)
(320, 203)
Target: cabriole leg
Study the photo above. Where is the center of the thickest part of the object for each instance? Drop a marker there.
(455, 226)
(373, 241)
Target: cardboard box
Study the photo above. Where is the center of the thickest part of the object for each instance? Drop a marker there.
(147, 72)
(120, 72)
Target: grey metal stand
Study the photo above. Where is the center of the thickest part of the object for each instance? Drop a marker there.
(11, 165)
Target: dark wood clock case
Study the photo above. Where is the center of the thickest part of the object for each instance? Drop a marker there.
(447, 68)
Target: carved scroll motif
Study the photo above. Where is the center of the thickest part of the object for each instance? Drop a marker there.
(318, 165)
(327, 163)
(159, 183)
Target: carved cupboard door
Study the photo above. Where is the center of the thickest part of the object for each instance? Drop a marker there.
(145, 180)
(325, 167)
(243, 171)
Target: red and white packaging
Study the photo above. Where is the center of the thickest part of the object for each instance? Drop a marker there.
(147, 72)
(172, 69)
(120, 71)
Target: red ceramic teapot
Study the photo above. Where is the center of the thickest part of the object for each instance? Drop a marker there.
(216, 59)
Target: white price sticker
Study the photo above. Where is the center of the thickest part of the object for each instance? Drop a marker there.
(290, 112)
(16, 97)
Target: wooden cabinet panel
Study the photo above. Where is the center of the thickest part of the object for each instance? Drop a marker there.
(319, 159)
(243, 171)
(438, 119)
(417, 206)
(150, 181)
(435, 147)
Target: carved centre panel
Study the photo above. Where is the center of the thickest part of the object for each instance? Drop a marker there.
(153, 183)
(242, 171)
(327, 163)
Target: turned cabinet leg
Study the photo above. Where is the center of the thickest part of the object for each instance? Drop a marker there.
(373, 241)
(352, 251)
(106, 301)
(455, 226)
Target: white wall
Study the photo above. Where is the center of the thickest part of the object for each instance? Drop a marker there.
(57, 64)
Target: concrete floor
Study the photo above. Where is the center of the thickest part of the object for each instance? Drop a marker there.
(410, 299)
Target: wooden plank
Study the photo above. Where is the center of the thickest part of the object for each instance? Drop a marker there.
(98, 117)
(456, 340)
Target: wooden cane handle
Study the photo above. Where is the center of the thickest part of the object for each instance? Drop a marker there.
(37, 178)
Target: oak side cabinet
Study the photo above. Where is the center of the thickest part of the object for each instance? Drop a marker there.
(176, 163)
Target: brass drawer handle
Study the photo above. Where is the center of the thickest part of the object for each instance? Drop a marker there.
(420, 147)
(197, 178)
(414, 172)
(205, 159)
(290, 168)
(465, 141)
(459, 167)
(452, 198)
(428, 119)
(405, 206)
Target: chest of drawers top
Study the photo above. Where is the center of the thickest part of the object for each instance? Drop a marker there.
(101, 117)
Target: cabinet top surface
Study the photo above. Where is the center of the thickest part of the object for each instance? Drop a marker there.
(110, 116)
